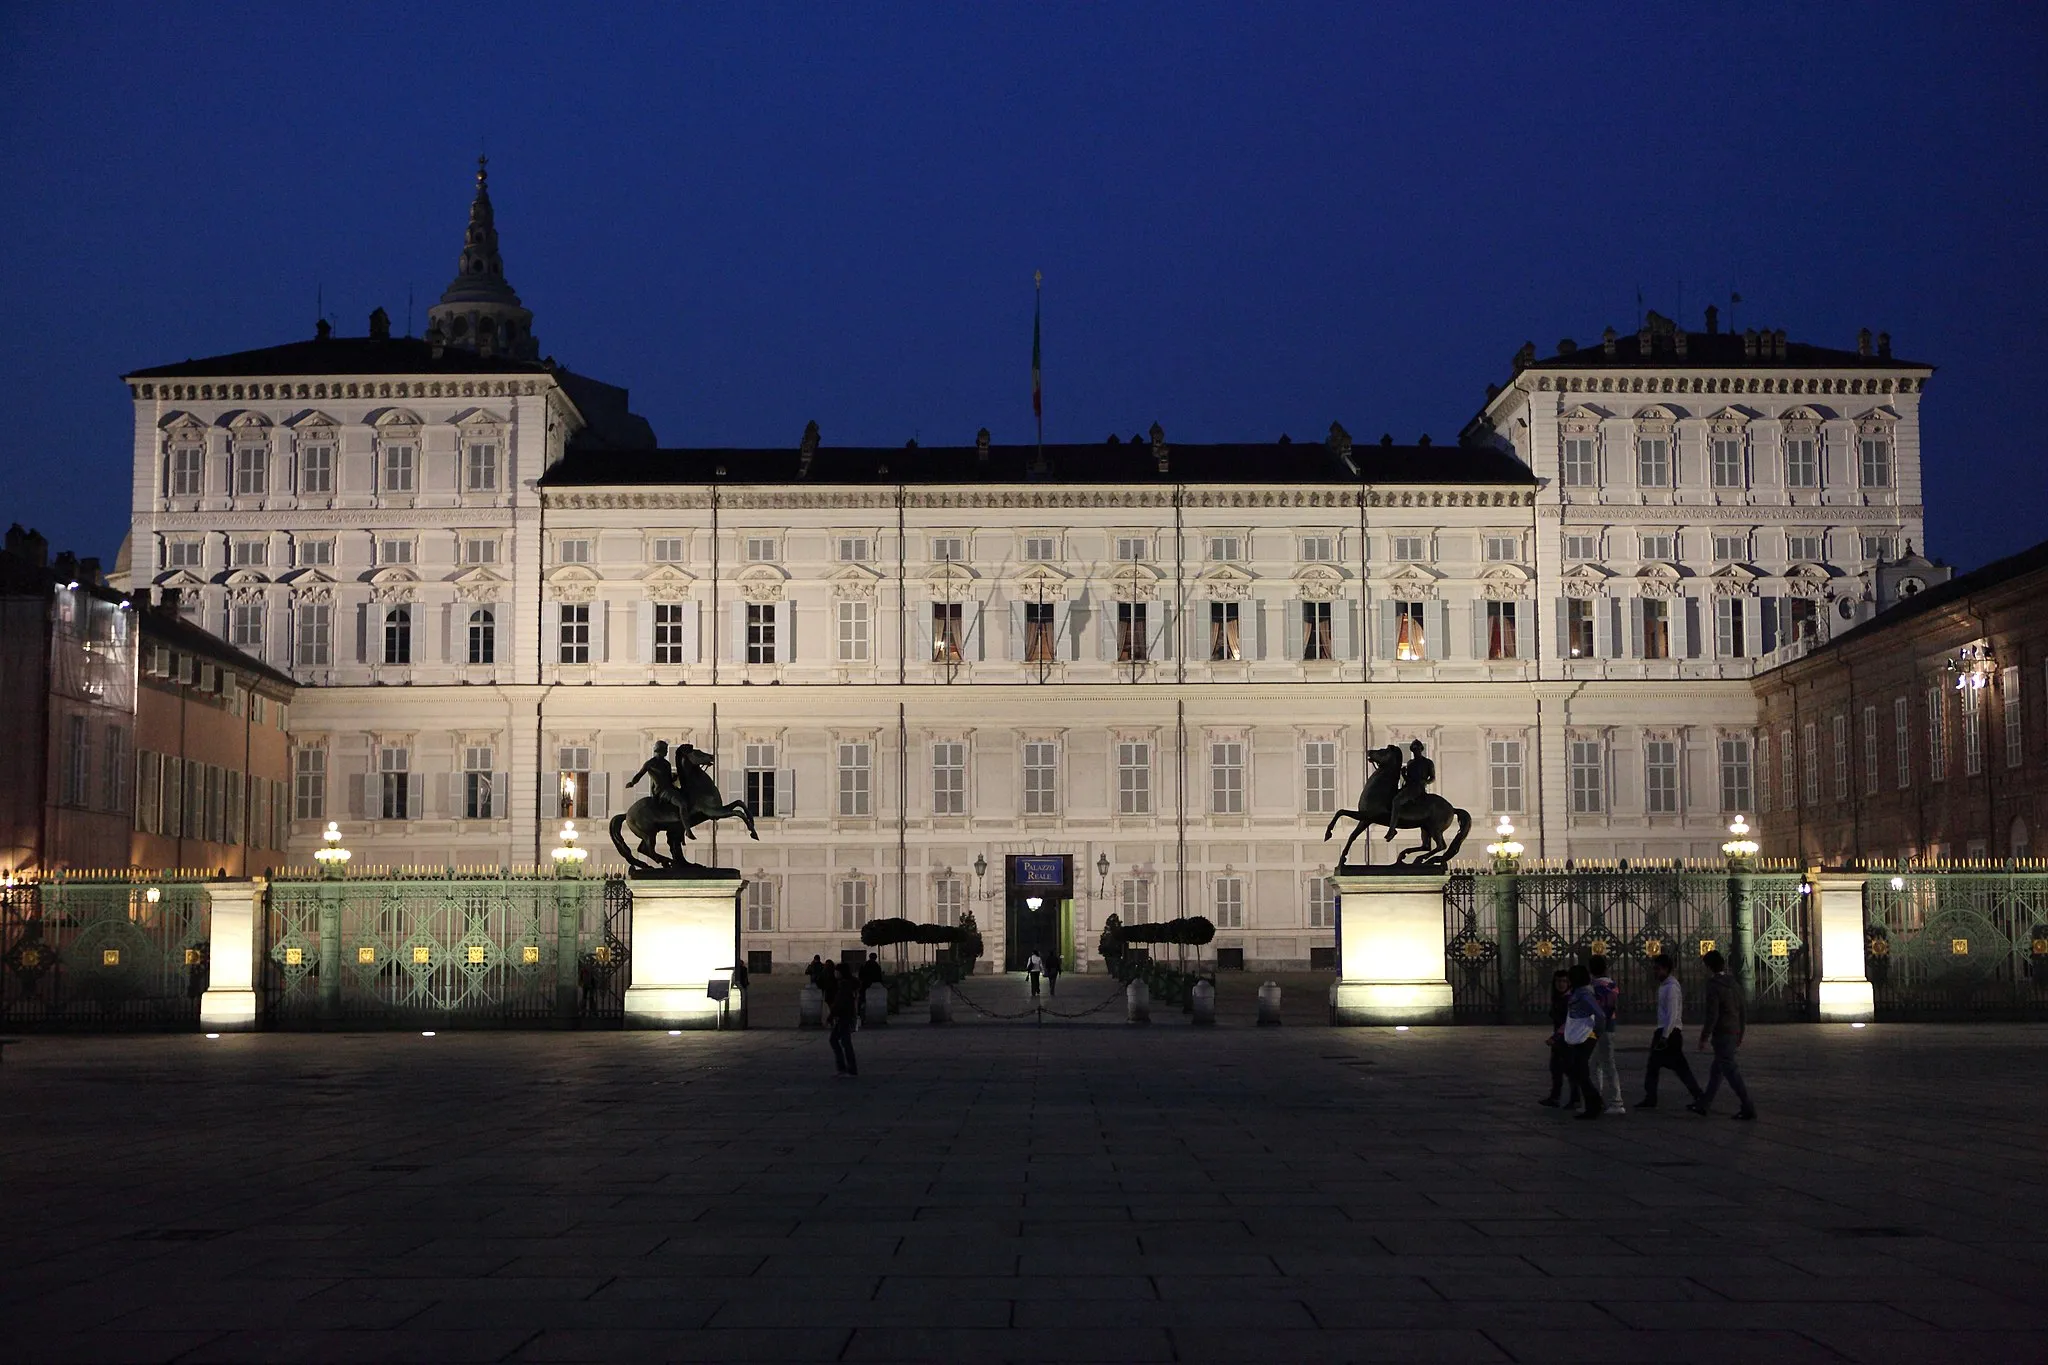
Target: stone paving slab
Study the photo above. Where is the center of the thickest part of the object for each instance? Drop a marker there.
(1012, 1192)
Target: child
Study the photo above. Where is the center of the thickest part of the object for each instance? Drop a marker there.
(1560, 1057)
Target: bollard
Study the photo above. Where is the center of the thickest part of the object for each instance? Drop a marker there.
(1204, 1001)
(942, 1003)
(810, 1007)
(1137, 1003)
(874, 1006)
(1269, 1003)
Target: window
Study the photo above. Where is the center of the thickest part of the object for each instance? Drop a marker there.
(855, 777)
(853, 549)
(314, 552)
(1134, 901)
(1802, 462)
(1799, 618)
(479, 550)
(1041, 549)
(1318, 549)
(1653, 462)
(1809, 753)
(1230, 902)
(252, 470)
(1788, 773)
(398, 635)
(1731, 640)
(1040, 645)
(1874, 457)
(572, 644)
(398, 468)
(1225, 549)
(949, 900)
(1582, 547)
(188, 471)
(1133, 777)
(1870, 750)
(1410, 549)
(1315, 632)
(1504, 772)
(1409, 641)
(1503, 549)
(949, 777)
(248, 554)
(760, 633)
(1319, 777)
(853, 906)
(2009, 708)
(315, 643)
(1840, 728)
(1589, 777)
(1322, 902)
(396, 550)
(1804, 547)
(477, 794)
(1500, 631)
(245, 626)
(184, 554)
(1735, 795)
(480, 467)
(1656, 628)
(575, 550)
(760, 549)
(1725, 455)
(572, 782)
(1876, 548)
(394, 783)
(1133, 548)
(1581, 462)
(1657, 547)
(1578, 628)
(1937, 736)
(309, 784)
(1041, 778)
(852, 617)
(1225, 644)
(759, 779)
(760, 906)
(1731, 549)
(1902, 743)
(1763, 772)
(1660, 777)
(948, 633)
(483, 636)
(949, 549)
(316, 468)
(78, 763)
(670, 647)
(1973, 730)
(666, 550)
(1226, 777)
(1130, 633)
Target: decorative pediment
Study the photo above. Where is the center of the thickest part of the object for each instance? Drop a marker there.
(394, 585)
(1731, 418)
(1802, 418)
(246, 578)
(763, 583)
(385, 418)
(1657, 580)
(1134, 583)
(1226, 583)
(1809, 580)
(1878, 421)
(245, 421)
(1584, 415)
(1585, 580)
(179, 578)
(310, 585)
(573, 583)
(311, 417)
(1734, 581)
(182, 422)
(856, 582)
(1504, 583)
(1040, 583)
(667, 583)
(478, 584)
(479, 417)
(950, 580)
(1657, 416)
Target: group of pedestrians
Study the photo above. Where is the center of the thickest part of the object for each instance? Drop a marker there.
(1049, 967)
(1585, 1006)
(843, 987)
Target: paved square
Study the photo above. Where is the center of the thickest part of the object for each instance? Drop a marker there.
(1011, 1192)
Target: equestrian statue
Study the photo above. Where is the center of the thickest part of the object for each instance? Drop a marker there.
(677, 804)
(1399, 798)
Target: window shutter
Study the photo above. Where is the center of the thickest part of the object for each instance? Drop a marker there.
(1017, 632)
(1692, 627)
(1164, 634)
(1635, 627)
(1077, 627)
(551, 795)
(975, 645)
(358, 796)
(643, 632)
(785, 792)
(693, 640)
(600, 793)
(920, 634)
(601, 628)
(1389, 630)
(415, 796)
(1767, 637)
(1346, 626)
(1257, 607)
(1105, 635)
(501, 795)
(1603, 628)
(1615, 641)
(1439, 638)
(1564, 631)
(447, 632)
(1290, 628)
(785, 632)
(450, 804)
(362, 632)
(1752, 624)
(736, 633)
(1480, 617)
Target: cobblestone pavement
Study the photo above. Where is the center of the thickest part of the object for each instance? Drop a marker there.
(1014, 1193)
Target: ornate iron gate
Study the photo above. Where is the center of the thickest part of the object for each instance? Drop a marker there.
(503, 951)
(102, 954)
(1957, 945)
(1506, 935)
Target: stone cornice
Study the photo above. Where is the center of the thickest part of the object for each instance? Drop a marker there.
(295, 520)
(1605, 514)
(230, 390)
(885, 497)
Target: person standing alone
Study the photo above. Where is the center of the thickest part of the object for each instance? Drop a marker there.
(844, 999)
(1667, 1046)
(1722, 1030)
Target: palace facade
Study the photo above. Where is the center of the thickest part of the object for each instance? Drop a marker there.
(1162, 658)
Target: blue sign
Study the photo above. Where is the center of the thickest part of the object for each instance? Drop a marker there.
(1049, 871)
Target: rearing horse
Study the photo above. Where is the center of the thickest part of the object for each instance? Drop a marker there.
(652, 816)
(1432, 815)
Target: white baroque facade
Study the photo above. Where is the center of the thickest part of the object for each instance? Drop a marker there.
(498, 592)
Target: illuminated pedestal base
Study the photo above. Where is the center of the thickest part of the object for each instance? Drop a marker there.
(229, 1005)
(684, 934)
(1844, 995)
(1392, 931)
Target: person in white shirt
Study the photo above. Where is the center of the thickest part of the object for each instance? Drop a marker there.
(1667, 1048)
(1034, 966)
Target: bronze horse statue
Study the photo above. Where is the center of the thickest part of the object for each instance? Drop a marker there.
(1431, 814)
(656, 814)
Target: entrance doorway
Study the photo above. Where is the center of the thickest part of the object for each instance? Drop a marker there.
(1046, 928)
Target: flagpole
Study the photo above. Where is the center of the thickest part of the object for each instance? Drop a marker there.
(1037, 388)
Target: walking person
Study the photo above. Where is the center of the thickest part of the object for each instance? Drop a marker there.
(1052, 973)
(844, 1001)
(1033, 965)
(1722, 1030)
(1560, 1055)
(1583, 1018)
(1667, 1045)
(1609, 995)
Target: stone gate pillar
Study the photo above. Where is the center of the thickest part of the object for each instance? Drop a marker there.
(232, 938)
(1844, 993)
(1392, 930)
(684, 930)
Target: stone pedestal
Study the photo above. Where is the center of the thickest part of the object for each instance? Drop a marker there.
(684, 932)
(229, 1005)
(1843, 994)
(1392, 929)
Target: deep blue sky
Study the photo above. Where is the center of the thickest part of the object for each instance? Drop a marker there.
(1251, 218)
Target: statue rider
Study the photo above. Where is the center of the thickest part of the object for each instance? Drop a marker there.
(1415, 780)
(661, 777)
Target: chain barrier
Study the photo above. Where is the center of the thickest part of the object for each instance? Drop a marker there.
(1114, 997)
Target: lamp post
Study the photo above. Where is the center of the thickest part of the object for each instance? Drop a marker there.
(331, 856)
(1505, 852)
(1101, 876)
(569, 859)
(1740, 848)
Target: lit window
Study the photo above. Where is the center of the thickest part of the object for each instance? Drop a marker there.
(572, 782)
(573, 634)
(1409, 640)
(1500, 631)
(1041, 646)
(1225, 643)
(1316, 641)
(947, 632)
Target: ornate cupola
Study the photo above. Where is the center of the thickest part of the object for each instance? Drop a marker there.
(478, 311)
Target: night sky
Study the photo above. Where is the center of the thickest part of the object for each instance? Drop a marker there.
(1251, 218)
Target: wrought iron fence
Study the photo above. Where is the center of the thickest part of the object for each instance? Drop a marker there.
(1505, 935)
(102, 953)
(1957, 945)
(476, 951)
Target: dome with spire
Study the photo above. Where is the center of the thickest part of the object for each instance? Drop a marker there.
(479, 311)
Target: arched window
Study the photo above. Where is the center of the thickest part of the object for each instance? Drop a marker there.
(483, 636)
(398, 635)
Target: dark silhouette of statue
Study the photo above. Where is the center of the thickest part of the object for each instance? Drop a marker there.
(1398, 797)
(678, 803)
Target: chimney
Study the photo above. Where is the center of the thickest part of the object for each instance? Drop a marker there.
(89, 570)
(1607, 341)
(1678, 341)
(1778, 343)
(981, 446)
(1339, 442)
(1884, 345)
(1386, 440)
(1566, 346)
(380, 325)
(1863, 341)
(1749, 343)
(1525, 357)
(1645, 340)
(1713, 320)
(807, 451)
(1159, 447)
(1423, 440)
(65, 566)
(322, 330)
(436, 339)
(17, 540)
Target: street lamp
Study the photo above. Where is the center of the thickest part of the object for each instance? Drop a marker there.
(331, 856)
(1504, 851)
(1101, 875)
(568, 858)
(1740, 848)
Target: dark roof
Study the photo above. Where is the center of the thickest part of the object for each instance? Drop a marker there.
(1300, 462)
(342, 355)
(2032, 560)
(168, 627)
(1715, 350)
